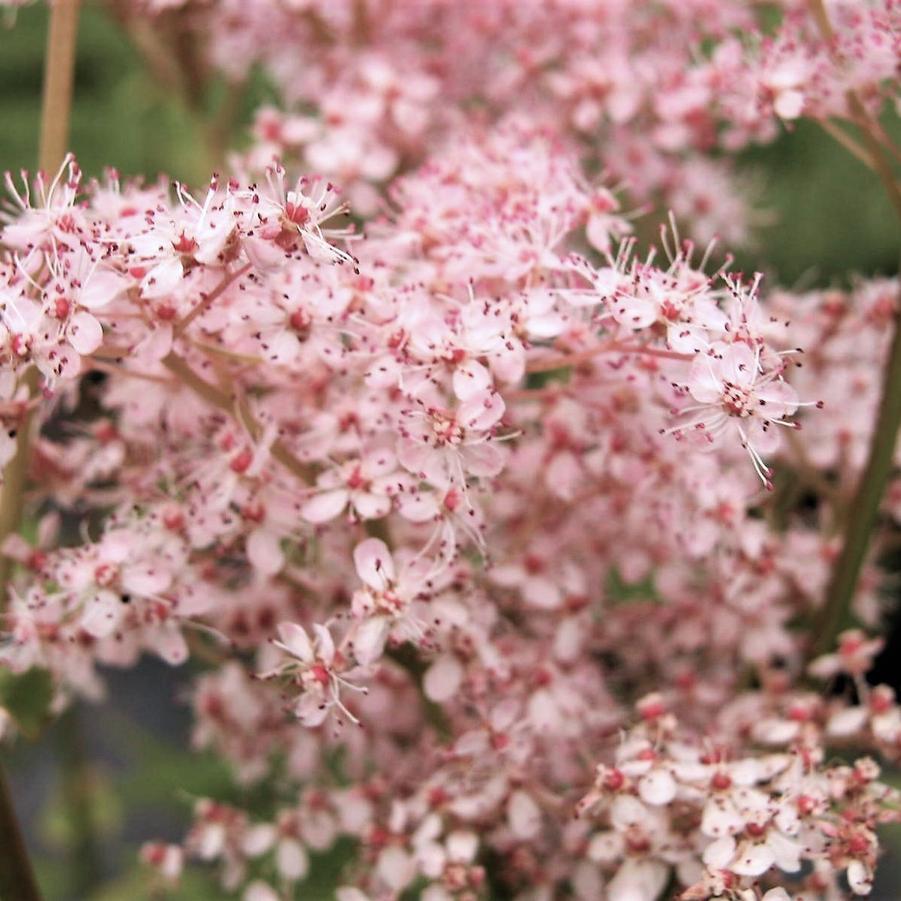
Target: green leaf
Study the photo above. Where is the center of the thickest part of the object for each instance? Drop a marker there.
(619, 591)
(27, 697)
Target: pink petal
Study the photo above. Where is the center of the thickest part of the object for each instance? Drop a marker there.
(103, 287)
(102, 614)
(311, 709)
(369, 639)
(374, 563)
(325, 506)
(170, 644)
(264, 552)
(523, 815)
(296, 641)
(753, 859)
(442, 679)
(163, 278)
(481, 411)
(370, 506)
(483, 460)
(145, 579)
(292, 860)
(471, 379)
(85, 333)
(657, 788)
(541, 592)
(325, 646)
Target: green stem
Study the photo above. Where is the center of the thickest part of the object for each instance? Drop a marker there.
(864, 507)
(59, 75)
(17, 882)
(77, 790)
(12, 491)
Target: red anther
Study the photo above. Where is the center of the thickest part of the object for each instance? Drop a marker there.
(500, 741)
(300, 321)
(297, 213)
(184, 244)
(174, 520)
(858, 845)
(241, 462)
(356, 480)
(105, 574)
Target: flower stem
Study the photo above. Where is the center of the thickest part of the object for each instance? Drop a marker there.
(864, 506)
(59, 71)
(78, 784)
(12, 491)
(17, 881)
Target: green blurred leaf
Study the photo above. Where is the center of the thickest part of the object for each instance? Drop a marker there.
(58, 827)
(141, 882)
(27, 697)
(619, 591)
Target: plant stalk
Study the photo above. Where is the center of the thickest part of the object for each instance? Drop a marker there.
(17, 879)
(863, 509)
(78, 782)
(17, 882)
(59, 74)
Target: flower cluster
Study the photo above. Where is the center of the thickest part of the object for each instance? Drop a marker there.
(475, 505)
(647, 93)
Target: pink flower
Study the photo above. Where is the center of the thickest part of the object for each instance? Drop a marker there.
(384, 605)
(318, 671)
(366, 485)
(445, 446)
(734, 395)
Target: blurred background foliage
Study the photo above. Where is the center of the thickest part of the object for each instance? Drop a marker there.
(827, 218)
(828, 215)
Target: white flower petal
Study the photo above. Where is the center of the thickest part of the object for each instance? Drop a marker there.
(292, 860)
(753, 859)
(657, 788)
